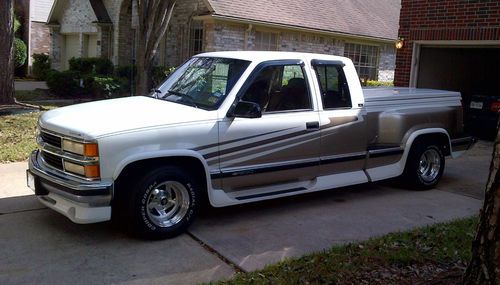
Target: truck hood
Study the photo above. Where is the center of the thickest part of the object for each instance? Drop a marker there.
(107, 117)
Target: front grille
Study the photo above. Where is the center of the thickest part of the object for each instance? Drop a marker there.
(52, 160)
(51, 139)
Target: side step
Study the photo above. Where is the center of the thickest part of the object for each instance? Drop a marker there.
(253, 196)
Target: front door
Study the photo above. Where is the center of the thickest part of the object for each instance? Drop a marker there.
(280, 149)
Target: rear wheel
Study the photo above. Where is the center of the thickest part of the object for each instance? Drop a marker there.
(163, 203)
(424, 167)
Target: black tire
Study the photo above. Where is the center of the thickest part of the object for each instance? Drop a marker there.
(424, 166)
(158, 191)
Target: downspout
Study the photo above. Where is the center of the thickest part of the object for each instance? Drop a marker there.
(247, 33)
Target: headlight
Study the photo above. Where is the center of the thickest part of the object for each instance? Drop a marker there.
(85, 149)
(88, 171)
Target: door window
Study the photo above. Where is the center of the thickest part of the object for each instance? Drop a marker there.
(333, 86)
(279, 88)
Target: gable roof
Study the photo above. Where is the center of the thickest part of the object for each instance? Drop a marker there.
(98, 8)
(368, 18)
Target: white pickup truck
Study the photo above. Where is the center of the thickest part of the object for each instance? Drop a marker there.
(238, 127)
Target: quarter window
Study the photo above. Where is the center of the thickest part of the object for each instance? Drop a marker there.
(333, 85)
(365, 59)
(279, 88)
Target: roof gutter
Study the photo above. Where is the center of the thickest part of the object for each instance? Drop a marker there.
(291, 27)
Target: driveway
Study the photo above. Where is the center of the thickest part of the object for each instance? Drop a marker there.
(40, 246)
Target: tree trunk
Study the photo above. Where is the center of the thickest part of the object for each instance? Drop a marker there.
(153, 19)
(484, 266)
(6, 52)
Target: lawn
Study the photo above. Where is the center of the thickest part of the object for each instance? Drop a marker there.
(17, 136)
(420, 256)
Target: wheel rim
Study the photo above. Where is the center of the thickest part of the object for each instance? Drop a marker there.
(429, 165)
(167, 204)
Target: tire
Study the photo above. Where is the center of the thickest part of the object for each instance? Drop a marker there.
(424, 167)
(163, 203)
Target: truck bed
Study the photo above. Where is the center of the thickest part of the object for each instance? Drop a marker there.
(415, 97)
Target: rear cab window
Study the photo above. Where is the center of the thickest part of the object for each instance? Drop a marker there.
(332, 84)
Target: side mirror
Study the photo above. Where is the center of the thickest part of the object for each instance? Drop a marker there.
(245, 109)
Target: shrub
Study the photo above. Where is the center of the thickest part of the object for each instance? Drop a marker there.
(64, 84)
(91, 65)
(20, 51)
(102, 86)
(374, 83)
(125, 70)
(159, 73)
(41, 65)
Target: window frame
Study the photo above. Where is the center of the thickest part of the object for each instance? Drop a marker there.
(256, 71)
(339, 65)
(269, 43)
(196, 25)
(358, 64)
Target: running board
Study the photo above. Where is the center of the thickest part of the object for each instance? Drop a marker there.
(253, 196)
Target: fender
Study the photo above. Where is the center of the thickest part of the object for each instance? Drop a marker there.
(165, 154)
(396, 169)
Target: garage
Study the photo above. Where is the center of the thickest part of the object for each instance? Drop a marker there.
(473, 71)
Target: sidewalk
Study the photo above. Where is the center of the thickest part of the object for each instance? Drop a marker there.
(29, 85)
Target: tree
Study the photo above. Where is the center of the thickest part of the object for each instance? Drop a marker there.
(484, 266)
(6, 52)
(153, 19)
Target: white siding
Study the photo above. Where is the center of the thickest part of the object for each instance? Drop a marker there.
(40, 10)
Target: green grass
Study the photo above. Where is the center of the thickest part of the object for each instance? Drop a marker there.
(17, 136)
(439, 244)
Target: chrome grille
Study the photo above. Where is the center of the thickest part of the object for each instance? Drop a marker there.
(53, 160)
(51, 139)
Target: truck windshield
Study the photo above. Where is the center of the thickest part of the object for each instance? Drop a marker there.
(203, 82)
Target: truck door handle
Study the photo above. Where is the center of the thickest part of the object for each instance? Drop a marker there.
(312, 125)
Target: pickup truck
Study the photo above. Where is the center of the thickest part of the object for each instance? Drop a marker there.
(238, 127)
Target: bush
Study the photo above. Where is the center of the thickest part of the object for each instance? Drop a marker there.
(374, 83)
(91, 65)
(20, 51)
(125, 70)
(159, 73)
(41, 65)
(64, 84)
(102, 86)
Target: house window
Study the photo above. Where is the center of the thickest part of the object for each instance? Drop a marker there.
(265, 41)
(196, 37)
(365, 59)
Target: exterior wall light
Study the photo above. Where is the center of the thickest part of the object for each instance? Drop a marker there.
(399, 43)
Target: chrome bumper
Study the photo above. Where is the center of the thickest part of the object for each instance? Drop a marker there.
(81, 201)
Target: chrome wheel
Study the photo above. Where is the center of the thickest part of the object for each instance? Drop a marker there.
(429, 165)
(167, 204)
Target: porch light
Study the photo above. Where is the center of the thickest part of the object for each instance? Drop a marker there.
(399, 43)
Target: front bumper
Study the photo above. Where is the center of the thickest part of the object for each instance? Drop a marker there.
(83, 202)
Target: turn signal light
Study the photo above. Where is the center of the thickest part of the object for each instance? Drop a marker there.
(92, 171)
(90, 149)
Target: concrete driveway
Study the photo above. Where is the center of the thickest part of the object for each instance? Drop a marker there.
(40, 246)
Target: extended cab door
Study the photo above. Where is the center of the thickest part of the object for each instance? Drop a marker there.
(343, 133)
(280, 150)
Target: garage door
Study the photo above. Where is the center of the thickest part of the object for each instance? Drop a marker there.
(467, 70)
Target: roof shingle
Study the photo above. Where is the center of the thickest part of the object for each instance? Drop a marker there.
(371, 18)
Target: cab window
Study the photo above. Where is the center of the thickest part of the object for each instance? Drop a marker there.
(279, 88)
(333, 86)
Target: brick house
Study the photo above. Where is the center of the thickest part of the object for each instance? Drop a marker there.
(450, 44)
(365, 31)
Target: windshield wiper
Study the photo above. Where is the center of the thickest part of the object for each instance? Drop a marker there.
(187, 99)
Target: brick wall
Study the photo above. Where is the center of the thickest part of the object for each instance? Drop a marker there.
(40, 38)
(449, 20)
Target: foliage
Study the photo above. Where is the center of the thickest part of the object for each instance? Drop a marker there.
(159, 73)
(20, 51)
(64, 84)
(41, 65)
(17, 24)
(125, 70)
(102, 86)
(386, 259)
(91, 65)
(374, 83)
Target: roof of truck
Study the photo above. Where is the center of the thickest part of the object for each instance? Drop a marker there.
(270, 55)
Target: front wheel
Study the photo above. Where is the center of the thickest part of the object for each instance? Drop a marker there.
(424, 167)
(163, 203)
